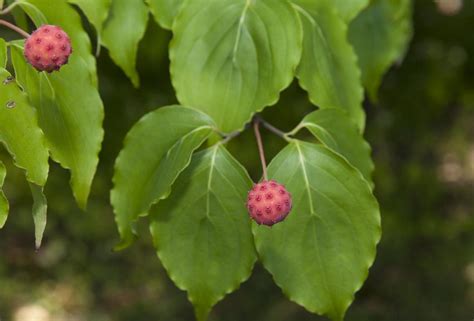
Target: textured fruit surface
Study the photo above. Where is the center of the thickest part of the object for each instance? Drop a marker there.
(48, 48)
(269, 203)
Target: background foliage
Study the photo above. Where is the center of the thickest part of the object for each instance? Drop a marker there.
(421, 132)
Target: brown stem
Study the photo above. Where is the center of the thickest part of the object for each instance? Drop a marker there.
(256, 127)
(14, 28)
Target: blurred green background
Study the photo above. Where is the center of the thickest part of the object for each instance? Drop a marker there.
(422, 134)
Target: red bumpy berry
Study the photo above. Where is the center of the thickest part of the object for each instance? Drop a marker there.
(269, 203)
(48, 48)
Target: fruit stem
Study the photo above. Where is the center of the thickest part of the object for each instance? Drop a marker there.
(14, 28)
(272, 128)
(256, 127)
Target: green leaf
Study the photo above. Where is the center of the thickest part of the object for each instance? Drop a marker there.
(60, 13)
(156, 150)
(96, 11)
(4, 207)
(3, 53)
(164, 11)
(320, 255)
(349, 9)
(70, 113)
(333, 128)
(380, 36)
(231, 58)
(19, 131)
(202, 231)
(40, 209)
(122, 32)
(328, 68)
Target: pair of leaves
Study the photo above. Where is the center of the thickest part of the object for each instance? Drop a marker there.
(120, 26)
(231, 59)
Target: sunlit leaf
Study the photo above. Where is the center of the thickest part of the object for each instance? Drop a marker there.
(231, 58)
(202, 231)
(164, 11)
(19, 131)
(320, 255)
(4, 207)
(40, 209)
(122, 32)
(333, 128)
(328, 68)
(156, 150)
(349, 9)
(3, 53)
(380, 36)
(70, 113)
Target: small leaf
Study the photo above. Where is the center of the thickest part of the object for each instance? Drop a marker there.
(349, 9)
(202, 231)
(19, 131)
(96, 11)
(164, 11)
(40, 209)
(320, 255)
(3, 53)
(4, 207)
(60, 13)
(231, 58)
(328, 68)
(335, 130)
(70, 113)
(156, 150)
(122, 32)
(380, 36)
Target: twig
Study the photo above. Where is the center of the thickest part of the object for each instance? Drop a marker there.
(14, 28)
(256, 127)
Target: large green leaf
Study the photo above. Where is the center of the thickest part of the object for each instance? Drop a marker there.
(164, 11)
(122, 32)
(3, 53)
(328, 68)
(202, 231)
(70, 113)
(40, 209)
(96, 11)
(19, 131)
(59, 12)
(231, 58)
(333, 128)
(4, 207)
(156, 150)
(320, 255)
(349, 9)
(380, 36)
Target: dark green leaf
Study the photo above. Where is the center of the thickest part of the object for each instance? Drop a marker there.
(328, 68)
(202, 231)
(96, 11)
(40, 209)
(333, 128)
(122, 32)
(156, 150)
(70, 113)
(320, 255)
(380, 36)
(4, 207)
(164, 11)
(19, 131)
(231, 58)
